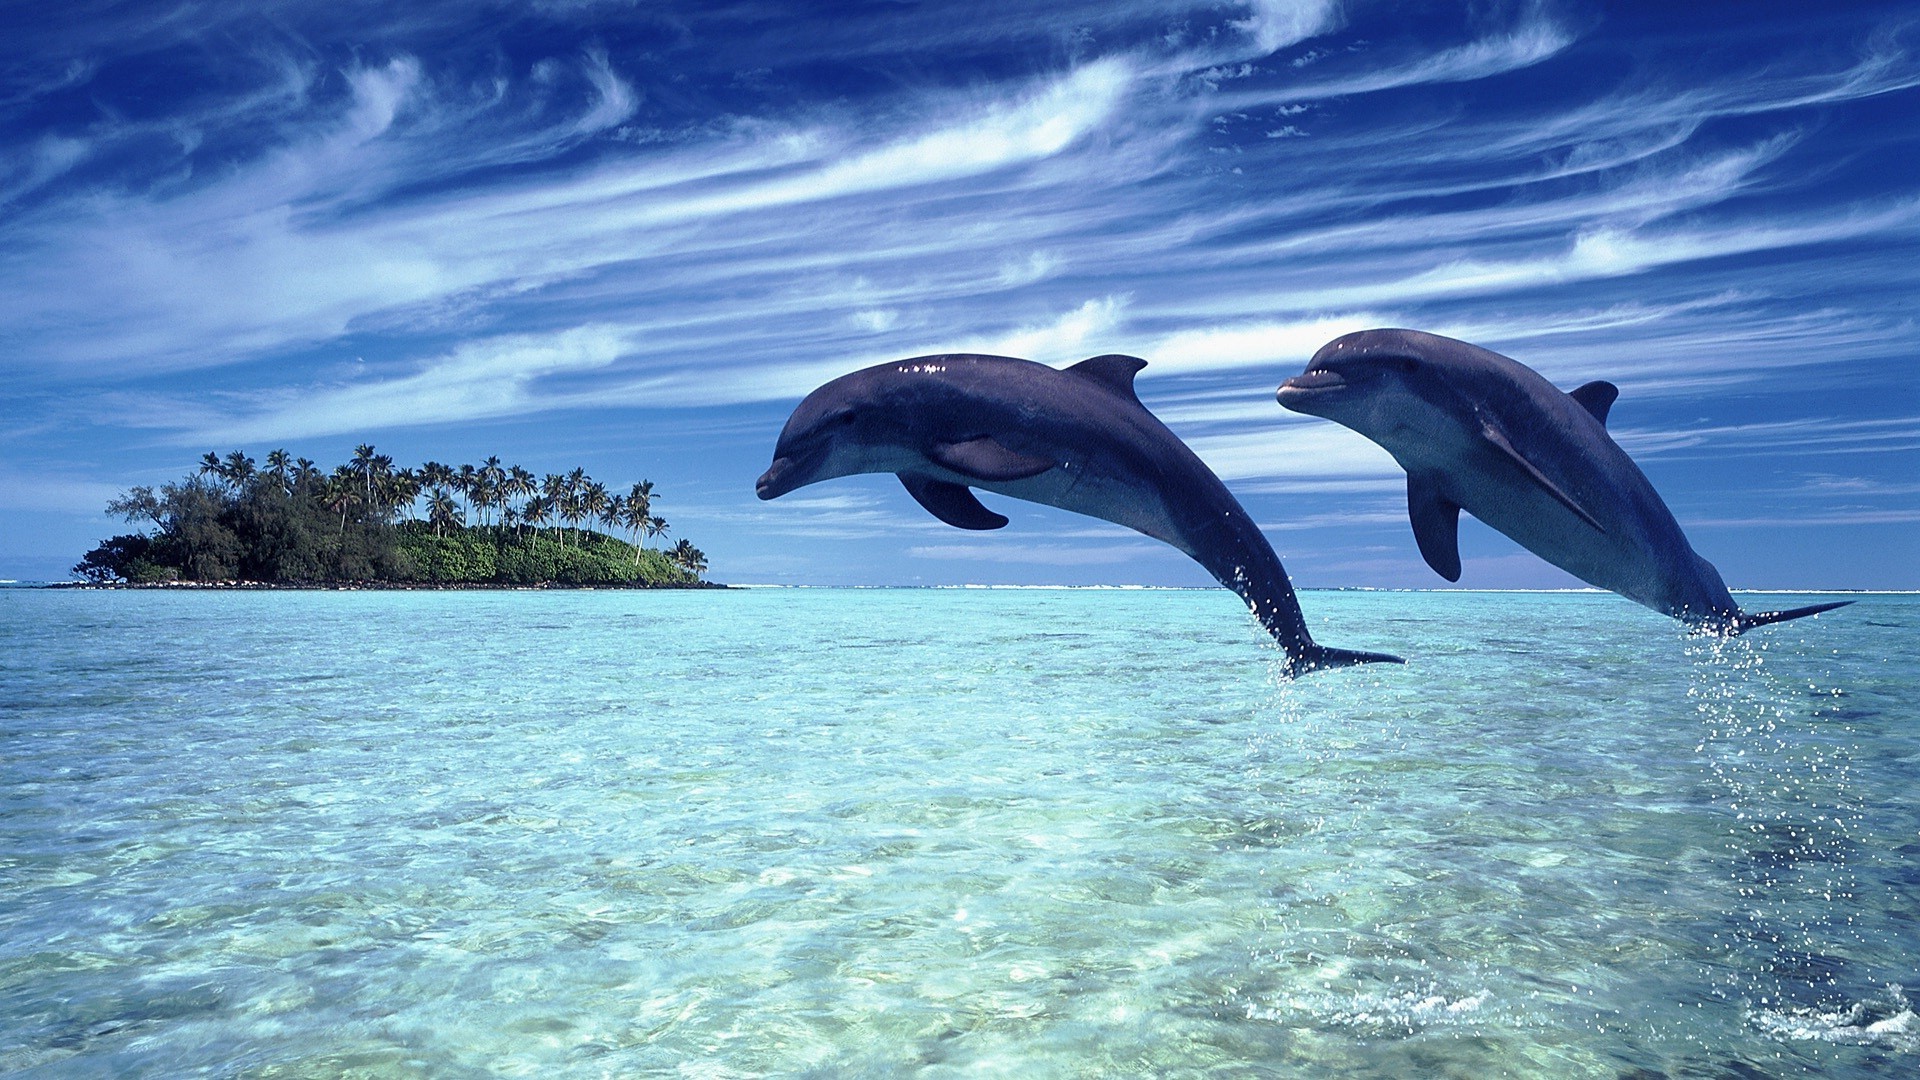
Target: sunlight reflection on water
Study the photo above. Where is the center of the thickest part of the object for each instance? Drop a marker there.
(1033, 832)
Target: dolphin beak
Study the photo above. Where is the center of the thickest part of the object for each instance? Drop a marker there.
(1308, 385)
(789, 471)
(777, 480)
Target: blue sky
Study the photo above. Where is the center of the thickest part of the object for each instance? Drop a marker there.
(630, 236)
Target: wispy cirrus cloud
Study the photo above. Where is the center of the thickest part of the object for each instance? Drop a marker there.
(258, 262)
(1806, 435)
(1005, 551)
(477, 380)
(563, 216)
(1536, 38)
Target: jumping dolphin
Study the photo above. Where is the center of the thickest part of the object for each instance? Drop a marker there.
(1076, 438)
(1478, 431)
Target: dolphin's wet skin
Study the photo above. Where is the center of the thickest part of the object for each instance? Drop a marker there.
(1478, 431)
(1078, 439)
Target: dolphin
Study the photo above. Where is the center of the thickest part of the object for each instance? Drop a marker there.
(1076, 438)
(1478, 431)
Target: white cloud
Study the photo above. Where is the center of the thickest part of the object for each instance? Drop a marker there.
(255, 262)
(1596, 253)
(1530, 43)
(1807, 435)
(51, 157)
(1293, 450)
(1035, 554)
(1000, 135)
(1276, 24)
(1036, 266)
(616, 100)
(1279, 345)
(1338, 519)
(378, 94)
(479, 379)
(1066, 338)
(1813, 519)
(51, 491)
(750, 258)
(875, 320)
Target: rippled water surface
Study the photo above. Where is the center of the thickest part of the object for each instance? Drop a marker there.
(1004, 833)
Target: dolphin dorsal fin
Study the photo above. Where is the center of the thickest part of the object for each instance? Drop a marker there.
(1115, 371)
(1492, 433)
(951, 503)
(1596, 397)
(1436, 525)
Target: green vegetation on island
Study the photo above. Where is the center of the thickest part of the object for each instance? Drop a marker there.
(367, 522)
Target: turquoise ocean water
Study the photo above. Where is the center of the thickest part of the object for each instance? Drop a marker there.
(983, 833)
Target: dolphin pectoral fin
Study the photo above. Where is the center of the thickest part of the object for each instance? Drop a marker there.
(1499, 441)
(1436, 525)
(1114, 371)
(985, 459)
(951, 503)
(1596, 397)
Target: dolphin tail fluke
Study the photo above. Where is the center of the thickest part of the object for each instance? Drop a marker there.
(1321, 657)
(1747, 620)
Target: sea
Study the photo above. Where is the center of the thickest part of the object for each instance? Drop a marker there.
(944, 833)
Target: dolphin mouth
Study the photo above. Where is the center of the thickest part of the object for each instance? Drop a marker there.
(788, 471)
(1311, 384)
(777, 480)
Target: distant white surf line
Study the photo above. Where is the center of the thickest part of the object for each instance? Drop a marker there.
(1317, 588)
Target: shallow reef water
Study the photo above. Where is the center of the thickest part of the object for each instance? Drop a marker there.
(942, 832)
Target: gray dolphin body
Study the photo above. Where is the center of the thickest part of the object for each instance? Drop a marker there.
(1076, 438)
(1478, 431)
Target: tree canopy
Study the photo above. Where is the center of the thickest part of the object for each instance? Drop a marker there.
(367, 521)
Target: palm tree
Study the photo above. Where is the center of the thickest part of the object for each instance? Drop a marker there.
(464, 481)
(435, 475)
(553, 487)
(635, 517)
(518, 484)
(239, 470)
(484, 494)
(493, 478)
(442, 511)
(380, 493)
(690, 557)
(594, 500)
(340, 494)
(613, 513)
(280, 468)
(537, 511)
(639, 506)
(571, 511)
(401, 489)
(656, 526)
(363, 457)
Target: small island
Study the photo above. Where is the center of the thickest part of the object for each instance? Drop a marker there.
(235, 523)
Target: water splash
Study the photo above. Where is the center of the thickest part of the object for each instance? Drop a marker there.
(1407, 1012)
(1887, 1022)
(1781, 776)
